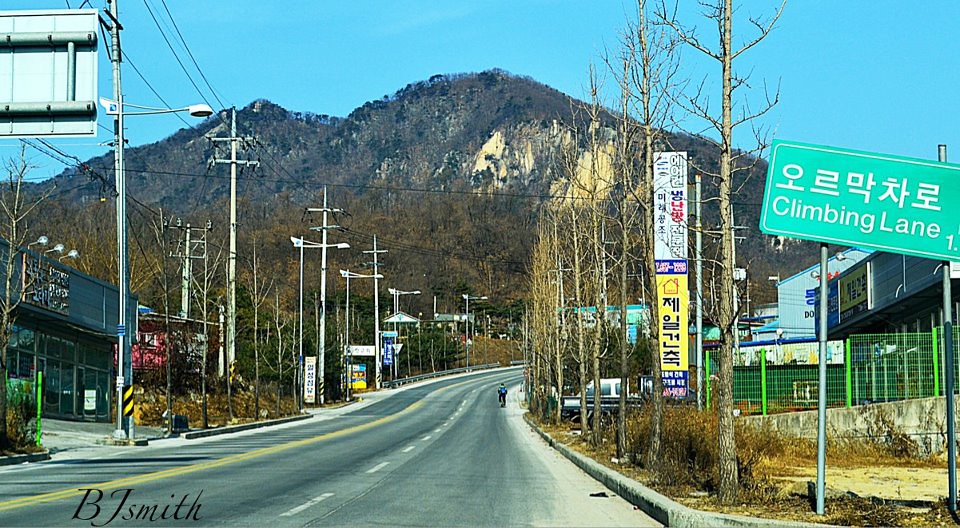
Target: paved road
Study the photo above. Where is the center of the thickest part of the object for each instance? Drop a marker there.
(439, 454)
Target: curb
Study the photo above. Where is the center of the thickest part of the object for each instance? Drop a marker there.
(243, 427)
(656, 505)
(110, 441)
(20, 459)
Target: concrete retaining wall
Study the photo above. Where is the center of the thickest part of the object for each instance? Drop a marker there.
(924, 420)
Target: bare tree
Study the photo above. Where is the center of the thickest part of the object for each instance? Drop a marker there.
(720, 13)
(261, 292)
(17, 205)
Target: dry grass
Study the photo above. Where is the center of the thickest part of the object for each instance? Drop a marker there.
(687, 469)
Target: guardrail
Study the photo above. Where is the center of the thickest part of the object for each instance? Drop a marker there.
(518, 362)
(412, 379)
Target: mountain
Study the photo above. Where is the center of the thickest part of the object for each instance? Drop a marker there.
(484, 141)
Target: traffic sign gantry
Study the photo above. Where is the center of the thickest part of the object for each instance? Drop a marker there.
(869, 200)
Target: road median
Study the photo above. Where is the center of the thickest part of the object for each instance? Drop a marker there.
(654, 504)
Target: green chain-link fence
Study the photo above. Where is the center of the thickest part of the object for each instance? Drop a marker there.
(875, 368)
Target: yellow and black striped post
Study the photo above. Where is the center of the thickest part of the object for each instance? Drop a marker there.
(128, 401)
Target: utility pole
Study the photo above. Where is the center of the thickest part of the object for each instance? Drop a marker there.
(124, 358)
(322, 348)
(188, 249)
(376, 308)
(231, 345)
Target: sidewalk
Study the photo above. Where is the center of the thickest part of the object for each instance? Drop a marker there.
(62, 435)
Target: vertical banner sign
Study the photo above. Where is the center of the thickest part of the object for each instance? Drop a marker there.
(670, 254)
(388, 351)
(310, 380)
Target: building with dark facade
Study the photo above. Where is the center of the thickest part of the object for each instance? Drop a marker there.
(65, 327)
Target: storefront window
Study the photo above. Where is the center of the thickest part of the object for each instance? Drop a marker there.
(66, 389)
(69, 350)
(51, 389)
(25, 339)
(24, 365)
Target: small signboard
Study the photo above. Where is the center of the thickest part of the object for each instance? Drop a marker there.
(310, 379)
(90, 400)
(362, 350)
(358, 376)
(863, 199)
(388, 351)
(854, 290)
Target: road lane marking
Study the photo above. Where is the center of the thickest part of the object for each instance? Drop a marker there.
(304, 506)
(409, 448)
(437, 430)
(378, 467)
(425, 438)
(126, 482)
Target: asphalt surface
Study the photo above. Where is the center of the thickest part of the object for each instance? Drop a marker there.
(436, 454)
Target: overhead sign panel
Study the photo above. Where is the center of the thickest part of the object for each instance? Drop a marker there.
(48, 73)
(853, 198)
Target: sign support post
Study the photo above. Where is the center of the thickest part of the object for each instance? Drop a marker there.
(949, 374)
(822, 385)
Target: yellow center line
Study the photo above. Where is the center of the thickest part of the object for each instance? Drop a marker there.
(202, 466)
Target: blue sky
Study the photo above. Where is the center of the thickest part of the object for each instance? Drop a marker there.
(871, 75)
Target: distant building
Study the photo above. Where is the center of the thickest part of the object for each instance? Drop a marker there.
(889, 293)
(65, 328)
(797, 298)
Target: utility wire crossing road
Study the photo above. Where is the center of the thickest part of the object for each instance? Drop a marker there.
(437, 454)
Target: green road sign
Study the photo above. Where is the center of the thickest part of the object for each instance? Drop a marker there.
(853, 198)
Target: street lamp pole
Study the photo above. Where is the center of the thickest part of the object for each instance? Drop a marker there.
(469, 298)
(124, 360)
(396, 309)
(347, 274)
(322, 339)
(302, 243)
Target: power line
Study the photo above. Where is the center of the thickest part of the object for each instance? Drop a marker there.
(190, 53)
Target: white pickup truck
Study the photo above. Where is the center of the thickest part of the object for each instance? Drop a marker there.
(609, 398)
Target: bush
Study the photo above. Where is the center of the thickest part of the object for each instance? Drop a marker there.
(21, 415)
(689, 452)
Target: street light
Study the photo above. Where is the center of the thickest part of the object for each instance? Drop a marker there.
(55, 249)
(302, 243)
(347, 274)
(72, 254)
(43, 241)
(396, 309)
(117, 108)
(466, 323)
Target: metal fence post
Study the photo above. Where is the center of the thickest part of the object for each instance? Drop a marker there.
(847, 367)
(763, 380)
(706, 366)
(936, 363)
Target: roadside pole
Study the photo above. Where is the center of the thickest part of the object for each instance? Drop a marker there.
(822, 384)
(39, 403)
(698, 256)
(949, 374)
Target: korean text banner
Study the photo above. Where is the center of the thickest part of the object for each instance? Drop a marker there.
(670, 206)
(310, 379)
(672, 298)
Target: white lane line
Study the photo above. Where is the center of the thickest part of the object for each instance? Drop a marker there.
(408, 449)
(425, 438)
(378, 467)
(304, 506)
